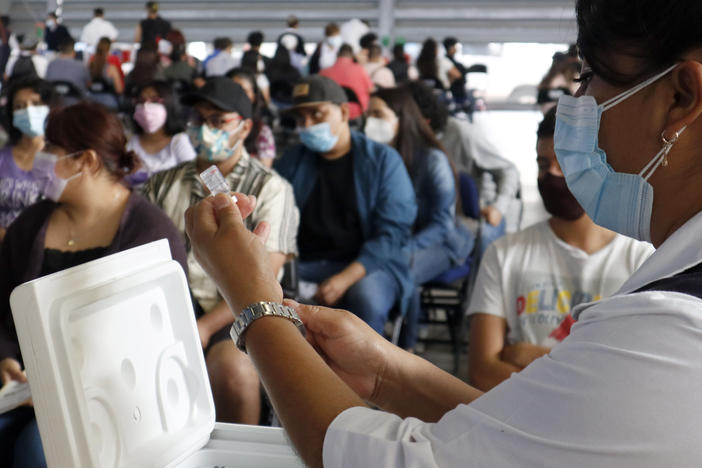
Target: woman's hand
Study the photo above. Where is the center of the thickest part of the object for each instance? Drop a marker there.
(353, 350)
(10, 369)
(233, 256)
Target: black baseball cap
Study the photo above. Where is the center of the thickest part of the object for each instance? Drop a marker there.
(224, 94)
(317, 89)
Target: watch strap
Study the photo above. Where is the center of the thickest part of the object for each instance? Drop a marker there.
(256, 311)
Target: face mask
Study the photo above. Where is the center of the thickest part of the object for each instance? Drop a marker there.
(318, 138)
(30, 120)
(558, 200)
(150, 116)
(380, 130)
(50, 24)
(44, 169)
(334, 41)
(614, 200)
(212, 144)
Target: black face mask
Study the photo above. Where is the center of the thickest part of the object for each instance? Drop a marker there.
(557, 198)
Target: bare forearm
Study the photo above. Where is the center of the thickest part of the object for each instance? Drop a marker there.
(414, 387)
(220, 316)
(485, 376)
(306, 394)
(354, 273)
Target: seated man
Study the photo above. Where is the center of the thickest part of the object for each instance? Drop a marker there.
(471, 152)
(65, 67)
(353, 76)
(529, 281)
(222, 121)
(357, 207)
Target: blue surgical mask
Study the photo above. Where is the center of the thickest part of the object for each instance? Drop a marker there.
(335, 41)
(318, 138)
(212, 144)
(618, 201)
(30, 120)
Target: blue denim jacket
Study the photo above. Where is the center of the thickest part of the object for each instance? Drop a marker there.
(435, 188)
(385, 197)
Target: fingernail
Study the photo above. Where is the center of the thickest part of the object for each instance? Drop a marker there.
(222, 201)
(291, 303)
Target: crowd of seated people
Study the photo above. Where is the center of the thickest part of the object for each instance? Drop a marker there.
(364, 205)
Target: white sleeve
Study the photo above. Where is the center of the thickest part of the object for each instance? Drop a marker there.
(488, 295)
(365, 437)
(113, 31)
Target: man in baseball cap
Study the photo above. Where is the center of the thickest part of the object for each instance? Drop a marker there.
(357, 207)
(218, 127)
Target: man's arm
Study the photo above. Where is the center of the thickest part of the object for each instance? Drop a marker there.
(486, 368)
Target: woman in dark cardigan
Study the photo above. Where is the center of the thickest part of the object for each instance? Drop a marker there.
(88, 213)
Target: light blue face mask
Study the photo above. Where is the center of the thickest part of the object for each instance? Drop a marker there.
(614, 200)
(212, 144)
(30, 120)
(318, 138)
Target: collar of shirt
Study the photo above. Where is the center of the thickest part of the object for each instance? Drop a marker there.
(234, 178)
(680, 251)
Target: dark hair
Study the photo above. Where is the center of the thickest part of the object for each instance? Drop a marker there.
(331, 29)
(413, 131)
(102, 50)
(281, 57)
(656, 32)
(547, 127)
(374, 51)
(39, 86)
(67, 45)
(145, 69)
(152, 7)
(174, 113)
(562, 64)
(398, 52)
(221, 43)
(177, 40)
(426, 61)
(429, 104)
(259, 110)
(345, 51)
(450, 42)
(52, 14)
(255, 38)
(367, 40)
(98, 12)
(292, 21)
(89, 125)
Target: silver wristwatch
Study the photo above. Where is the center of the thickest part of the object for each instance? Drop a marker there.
(255, 312)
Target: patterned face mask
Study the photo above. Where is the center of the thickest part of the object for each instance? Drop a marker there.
(212, 144)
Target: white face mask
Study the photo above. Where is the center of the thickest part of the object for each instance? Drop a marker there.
(44, 169)
(380, 130)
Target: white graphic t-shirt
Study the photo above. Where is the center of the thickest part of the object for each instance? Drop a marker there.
(533, 279)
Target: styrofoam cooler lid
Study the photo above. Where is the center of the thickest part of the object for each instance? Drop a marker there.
(114, 361)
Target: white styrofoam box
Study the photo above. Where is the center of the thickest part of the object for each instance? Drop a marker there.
(116, 370)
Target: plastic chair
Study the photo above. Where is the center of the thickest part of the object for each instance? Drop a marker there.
(450, 290)
(69, 92)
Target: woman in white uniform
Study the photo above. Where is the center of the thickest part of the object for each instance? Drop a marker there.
(621, 390)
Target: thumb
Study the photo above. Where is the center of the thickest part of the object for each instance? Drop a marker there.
(226, 211)
(317, 319)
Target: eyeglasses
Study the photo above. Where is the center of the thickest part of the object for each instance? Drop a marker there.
(213, 120)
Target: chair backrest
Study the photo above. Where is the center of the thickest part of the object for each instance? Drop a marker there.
(66, 89)
(470, 198)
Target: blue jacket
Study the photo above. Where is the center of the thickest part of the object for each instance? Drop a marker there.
(385, 198)
(435, 188)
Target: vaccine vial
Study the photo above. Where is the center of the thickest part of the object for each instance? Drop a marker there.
(215, 182)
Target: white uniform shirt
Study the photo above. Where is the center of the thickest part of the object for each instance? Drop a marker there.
(532, 279)
(97, 29)
(622, 390)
